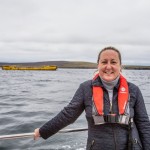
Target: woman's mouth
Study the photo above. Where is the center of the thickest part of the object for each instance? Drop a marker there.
(108, 72)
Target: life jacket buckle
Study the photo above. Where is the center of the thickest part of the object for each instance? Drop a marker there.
(124, 119)
(111, 118)
(98, 120)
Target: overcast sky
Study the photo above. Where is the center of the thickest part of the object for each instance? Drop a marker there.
(76, 30)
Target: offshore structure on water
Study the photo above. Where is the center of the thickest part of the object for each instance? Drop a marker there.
(14, 67)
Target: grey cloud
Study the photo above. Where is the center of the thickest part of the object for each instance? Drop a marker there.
(68, 29)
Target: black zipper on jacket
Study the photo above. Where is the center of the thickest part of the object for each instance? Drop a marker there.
(114, 137)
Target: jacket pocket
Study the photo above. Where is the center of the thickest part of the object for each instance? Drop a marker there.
(90, 147)
(136, 145)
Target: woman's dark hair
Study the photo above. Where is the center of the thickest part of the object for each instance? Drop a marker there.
(110, 48)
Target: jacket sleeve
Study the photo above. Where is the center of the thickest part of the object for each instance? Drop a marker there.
(67, 116)
(142, 120)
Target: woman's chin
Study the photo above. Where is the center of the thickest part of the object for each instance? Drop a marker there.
(109, 79)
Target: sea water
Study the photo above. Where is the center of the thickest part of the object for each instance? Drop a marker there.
(28, 99)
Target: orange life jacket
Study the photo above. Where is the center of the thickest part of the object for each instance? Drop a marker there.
(123, 95)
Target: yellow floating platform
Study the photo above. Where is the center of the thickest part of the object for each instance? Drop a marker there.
(13, 67)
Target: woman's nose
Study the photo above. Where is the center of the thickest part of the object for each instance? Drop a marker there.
(108, 66)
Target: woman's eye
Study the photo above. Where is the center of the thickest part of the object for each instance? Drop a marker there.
(113, 62)
(104, 62)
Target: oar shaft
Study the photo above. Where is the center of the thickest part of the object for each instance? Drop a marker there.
(15, 136)
(25, 135)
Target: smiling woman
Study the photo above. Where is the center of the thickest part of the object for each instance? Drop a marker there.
(109, 63)
(115, 109)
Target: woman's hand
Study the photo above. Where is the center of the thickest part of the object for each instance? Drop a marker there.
(36, 134)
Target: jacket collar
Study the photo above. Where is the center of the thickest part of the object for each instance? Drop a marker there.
(98, 82)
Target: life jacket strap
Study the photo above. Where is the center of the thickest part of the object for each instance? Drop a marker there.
(111, 118)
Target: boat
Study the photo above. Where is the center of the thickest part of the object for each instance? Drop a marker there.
(14, 67)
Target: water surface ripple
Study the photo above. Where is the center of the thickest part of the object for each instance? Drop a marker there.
(30, 98)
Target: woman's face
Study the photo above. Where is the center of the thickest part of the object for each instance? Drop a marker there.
(109, 66)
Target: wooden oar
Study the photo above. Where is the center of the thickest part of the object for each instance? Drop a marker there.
(25, 135)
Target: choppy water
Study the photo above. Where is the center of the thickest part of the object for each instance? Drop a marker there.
(28, 99)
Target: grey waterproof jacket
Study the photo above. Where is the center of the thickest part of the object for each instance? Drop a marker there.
(108, 136)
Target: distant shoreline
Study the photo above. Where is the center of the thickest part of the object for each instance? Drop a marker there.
(72, 65)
